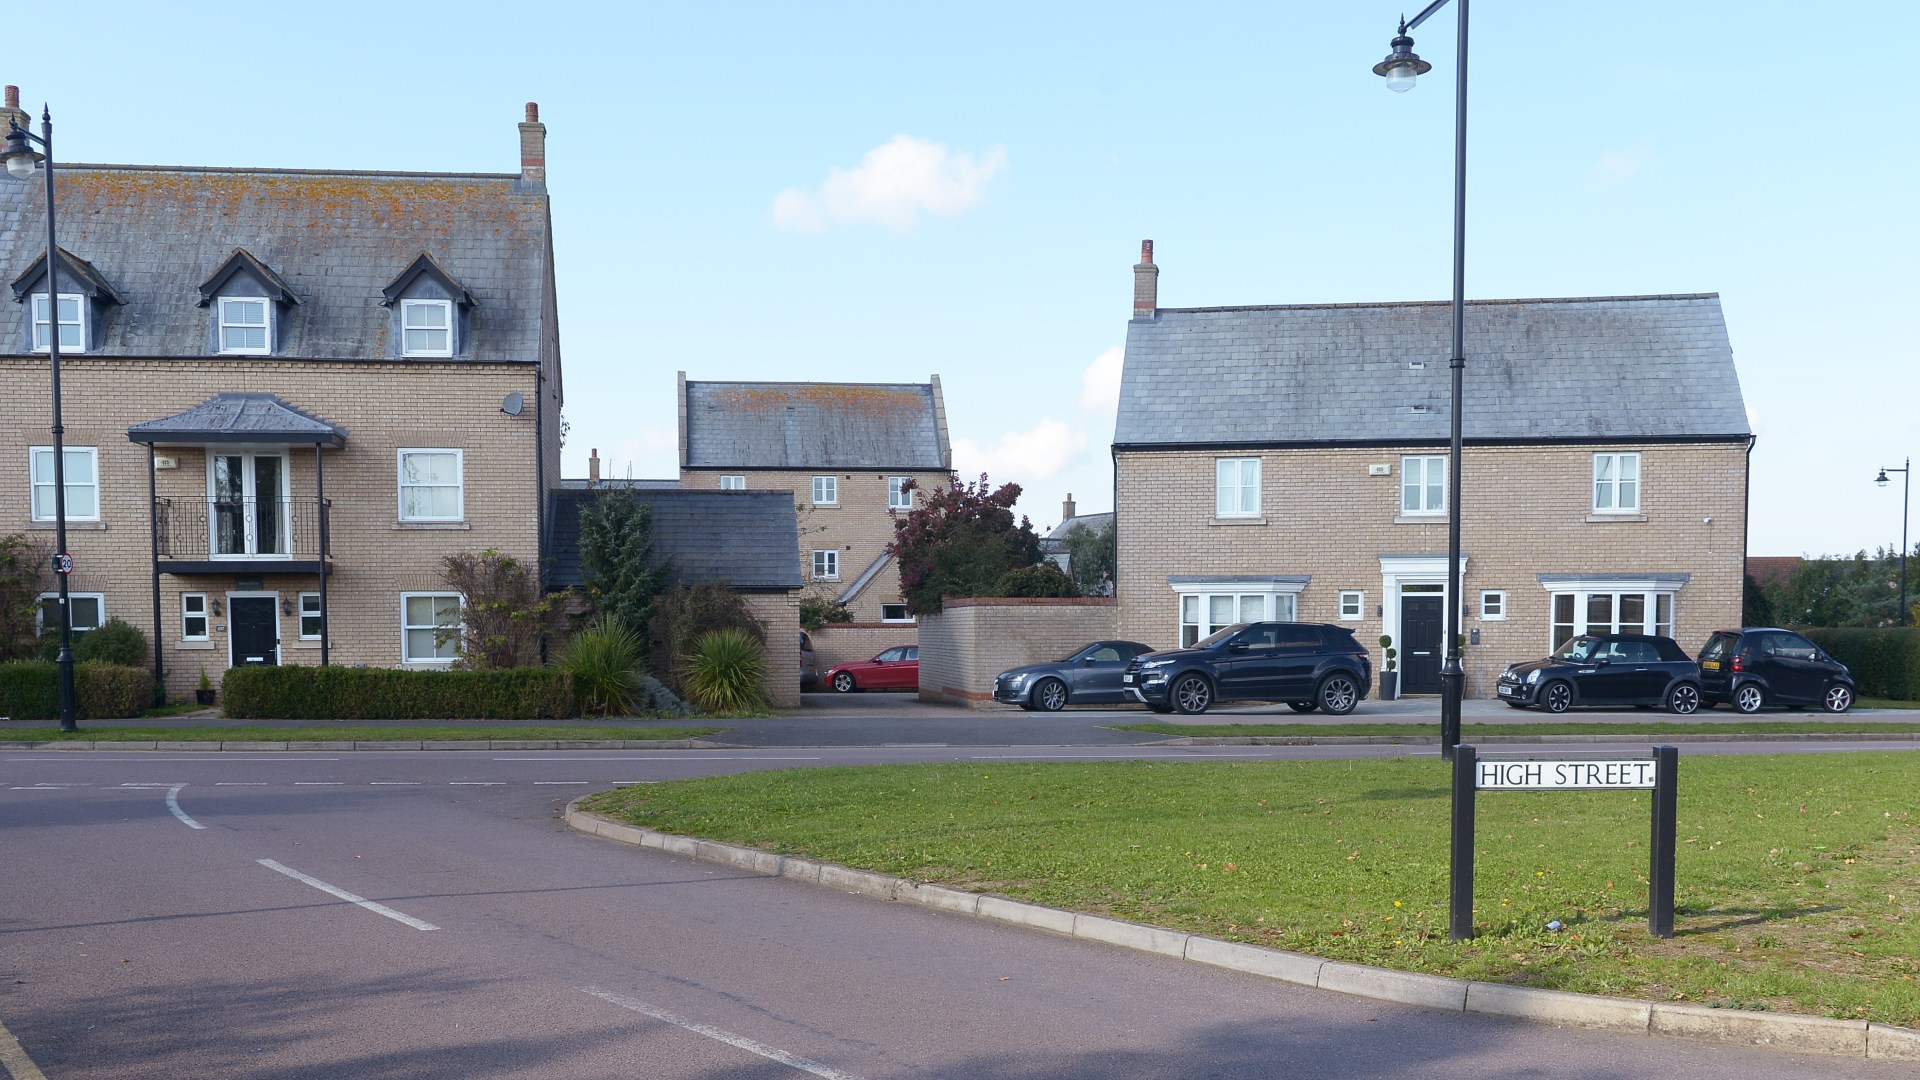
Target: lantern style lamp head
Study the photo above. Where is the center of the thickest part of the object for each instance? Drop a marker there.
(20, 157)
(1402, 66)
(1881, 479)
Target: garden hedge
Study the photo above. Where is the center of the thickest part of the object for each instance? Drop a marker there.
(30, 690)
(1885, 661)
(354, 693)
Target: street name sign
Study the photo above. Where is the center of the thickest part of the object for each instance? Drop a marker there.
(1564, 775)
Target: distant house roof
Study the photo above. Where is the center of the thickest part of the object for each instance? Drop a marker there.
(1591, 369)
(749, 540)
(239, 418)
(1056, 538)
(1770, 569)
(784, 425)
(335, 240)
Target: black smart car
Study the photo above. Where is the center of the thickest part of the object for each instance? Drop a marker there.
(1307, 665)
(1764, 665)
(1606, 669)
(1090, 675)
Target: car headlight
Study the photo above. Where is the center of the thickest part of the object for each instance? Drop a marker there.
(1149, 664)
(1533, 677)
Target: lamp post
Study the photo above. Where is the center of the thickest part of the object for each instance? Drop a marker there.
(20, 160)
(1400, 68)
(1905, 486)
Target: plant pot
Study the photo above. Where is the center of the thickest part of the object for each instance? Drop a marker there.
(1389, 685)
(204, 697)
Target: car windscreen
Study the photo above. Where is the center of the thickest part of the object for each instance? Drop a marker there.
(1578, 649)
(1218, 636)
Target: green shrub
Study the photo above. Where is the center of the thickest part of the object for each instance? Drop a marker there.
(817, 611)
(684, 614)
(1040, 579)
(726, 671)
(1885, 661)
(113, 642)
(30, 690)
(355, 693)
(604, 661)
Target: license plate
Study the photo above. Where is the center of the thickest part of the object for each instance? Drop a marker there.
(1507, 690)
(1710, 665)
(1126, 678)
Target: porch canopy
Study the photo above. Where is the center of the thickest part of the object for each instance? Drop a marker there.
(234, 417)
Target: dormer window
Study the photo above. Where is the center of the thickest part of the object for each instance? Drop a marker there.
(426, 328)
(73, 326)
(246, 324)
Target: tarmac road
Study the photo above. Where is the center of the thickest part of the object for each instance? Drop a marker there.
(426, 915)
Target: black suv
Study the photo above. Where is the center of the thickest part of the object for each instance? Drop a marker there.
(1764, 665)
(1307, 665)
(1606, 669)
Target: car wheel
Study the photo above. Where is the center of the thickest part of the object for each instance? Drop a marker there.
(1556, 697)
(1302, 706)
(844, 683)
(1050, 695)
(1338, 694)
(1749, 698)
(1192, 694)
(1684, 699)
(1839, 699)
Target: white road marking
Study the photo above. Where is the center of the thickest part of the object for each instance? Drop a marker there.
(560, 783)
(737, 1041)
(14, 1059)
(240, 783)
(49, 787)
(476, 783)
(370, 905)
(319, 783)
(173, 804)
(670, 755)
(394, 783)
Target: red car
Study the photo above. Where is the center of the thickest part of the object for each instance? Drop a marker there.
(897, 668)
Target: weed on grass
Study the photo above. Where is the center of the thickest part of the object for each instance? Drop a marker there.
(1796, 888)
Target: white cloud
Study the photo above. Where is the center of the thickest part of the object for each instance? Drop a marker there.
(654, 454)
(1617, 167)
(891, 186)
(1100, 382)
(1021, 456)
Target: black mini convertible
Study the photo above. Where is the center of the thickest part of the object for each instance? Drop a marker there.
(1642, 670)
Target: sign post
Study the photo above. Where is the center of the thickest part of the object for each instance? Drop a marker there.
(1660, 774)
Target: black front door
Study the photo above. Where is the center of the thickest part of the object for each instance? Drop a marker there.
(1420, 634)
(254, 630)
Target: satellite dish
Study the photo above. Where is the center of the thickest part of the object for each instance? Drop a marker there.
(512, 404)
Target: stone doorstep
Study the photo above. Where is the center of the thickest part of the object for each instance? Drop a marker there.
(1800, 1034)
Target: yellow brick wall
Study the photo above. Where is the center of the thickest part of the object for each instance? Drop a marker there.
(967, 645)
(1528, 512)
(383, 407)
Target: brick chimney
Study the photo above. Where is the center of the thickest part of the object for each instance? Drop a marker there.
(1146, 283)
(593, 467)
(533, 147)
(1066, 509)
(12, 111)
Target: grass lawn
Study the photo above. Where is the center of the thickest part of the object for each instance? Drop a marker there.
(1798, 878)
(1469, 729)
(449, 733)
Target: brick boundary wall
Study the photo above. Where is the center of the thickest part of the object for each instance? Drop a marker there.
(965, 647)
(841, 643)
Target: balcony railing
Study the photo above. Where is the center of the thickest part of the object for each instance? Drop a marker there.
(240, 530)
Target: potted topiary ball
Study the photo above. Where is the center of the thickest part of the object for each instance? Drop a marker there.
(1389, 678)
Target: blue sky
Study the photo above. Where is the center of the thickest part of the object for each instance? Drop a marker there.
(873, 192)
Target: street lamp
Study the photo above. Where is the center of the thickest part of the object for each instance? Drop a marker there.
(1905, 486)
(1400, 68)
(21, 158)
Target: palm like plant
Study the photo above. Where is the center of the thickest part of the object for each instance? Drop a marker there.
(726, 672)
(604, 660)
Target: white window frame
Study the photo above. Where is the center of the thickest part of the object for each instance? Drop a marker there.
(34, 486)
(37, 318)
(227, 322)
(459, 484)
(898, 499)
(187, 614)
(826, 564)
(1202, 603)
(303, 614)
(1493, 605)
(406, 628)
(1236, 487)
(407, 308)
(733, 483)
(40, 612)
(1617, 488)
(826, 491)
(1658, 602)
(1353, 605)
(1422, 464)
(905, 616)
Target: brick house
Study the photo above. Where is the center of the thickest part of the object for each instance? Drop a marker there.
(287, 395)
(843, 450)
(1290, 462)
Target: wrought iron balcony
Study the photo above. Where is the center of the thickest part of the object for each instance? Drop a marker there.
(224, 536)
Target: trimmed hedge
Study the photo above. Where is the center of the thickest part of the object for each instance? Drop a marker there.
(30, 690)
(293, 692)
(1885, 661)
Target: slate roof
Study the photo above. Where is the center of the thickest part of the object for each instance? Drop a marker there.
(748, 539)
(807, 425)
(239, 418)
(1056, 538)
(336, 239)
(1588, 368)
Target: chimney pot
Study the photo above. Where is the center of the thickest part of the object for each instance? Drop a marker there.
(1146, 283)
(13, 97)
(533, 147)
(593, 467)
(1066, 509)
(533, 112)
